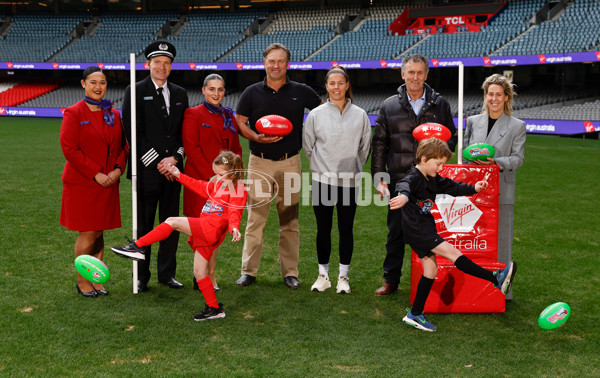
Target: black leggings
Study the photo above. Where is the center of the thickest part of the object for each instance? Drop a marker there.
(324, 198)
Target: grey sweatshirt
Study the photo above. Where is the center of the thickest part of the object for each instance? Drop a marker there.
(337, 144)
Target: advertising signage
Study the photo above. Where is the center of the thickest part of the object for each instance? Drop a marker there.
(518, 60)
(536, 126)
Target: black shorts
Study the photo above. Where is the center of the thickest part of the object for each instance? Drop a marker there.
(423, 247)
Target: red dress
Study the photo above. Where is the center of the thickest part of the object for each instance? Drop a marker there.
(90, 146)
(203, 139)
(222, 212)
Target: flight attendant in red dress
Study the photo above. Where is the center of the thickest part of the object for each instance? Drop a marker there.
(208, 129)
(92, 141)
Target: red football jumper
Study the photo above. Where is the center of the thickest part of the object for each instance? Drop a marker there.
(221, 213)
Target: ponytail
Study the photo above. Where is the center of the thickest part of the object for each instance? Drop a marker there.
(233, 164)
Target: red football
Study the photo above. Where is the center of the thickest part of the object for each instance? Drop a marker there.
(431, 130)
(274, 125)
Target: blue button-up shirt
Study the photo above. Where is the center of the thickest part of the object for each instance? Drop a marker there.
(417, 104)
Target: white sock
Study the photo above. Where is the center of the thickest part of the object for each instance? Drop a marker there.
(324, 269)
(344, 270)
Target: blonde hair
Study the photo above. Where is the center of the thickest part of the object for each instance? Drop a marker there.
(433, 148)
(506, 85)
(232, 163)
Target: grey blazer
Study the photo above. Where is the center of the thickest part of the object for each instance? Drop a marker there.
(508, 138)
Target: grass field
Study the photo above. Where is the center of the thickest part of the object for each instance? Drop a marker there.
(49, 330)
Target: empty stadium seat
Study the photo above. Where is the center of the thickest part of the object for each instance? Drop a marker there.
(118, 35)
(36, 37)
(23, 92)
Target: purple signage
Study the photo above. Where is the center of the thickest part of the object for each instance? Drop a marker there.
(581, 57)
(31, 112)
(558, 127)
(537, 126)
(561, 127)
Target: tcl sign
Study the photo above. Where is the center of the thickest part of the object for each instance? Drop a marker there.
(457, 20)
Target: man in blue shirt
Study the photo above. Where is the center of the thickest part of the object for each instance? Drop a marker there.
(394, 150)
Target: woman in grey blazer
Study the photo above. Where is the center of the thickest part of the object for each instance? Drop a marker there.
(496, 126)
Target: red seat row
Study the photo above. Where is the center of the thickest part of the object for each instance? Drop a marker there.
(21, 93)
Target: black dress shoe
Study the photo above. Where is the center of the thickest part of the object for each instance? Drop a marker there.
(101, 292)
(245, 280)
(91, 294)
(172, 283)
(291, 282)
(142, 286)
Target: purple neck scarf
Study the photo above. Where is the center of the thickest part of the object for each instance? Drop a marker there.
(227, 124)
(106, 106)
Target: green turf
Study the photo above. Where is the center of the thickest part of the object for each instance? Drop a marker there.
(47, 329)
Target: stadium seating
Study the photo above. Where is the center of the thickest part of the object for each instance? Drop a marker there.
(510, 23)
(535, 104)
(585, 111)
(301, 43)
(7, 85)
(118, 35)
(20, 93)
(303, 31)
(70, 94)
(311, 34)
(372, 32)
(309, 18)
(575, 30)
(36, 37)
(208, 36)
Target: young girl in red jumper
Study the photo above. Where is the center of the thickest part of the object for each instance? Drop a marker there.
(225, 199)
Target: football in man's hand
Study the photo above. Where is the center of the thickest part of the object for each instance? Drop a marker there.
(274, 125)
(431, 130)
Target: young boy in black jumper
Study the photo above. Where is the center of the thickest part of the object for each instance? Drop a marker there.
(416, 193)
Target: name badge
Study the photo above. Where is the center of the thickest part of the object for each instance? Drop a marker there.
(148, 98)
(205, 125)
(84, 122)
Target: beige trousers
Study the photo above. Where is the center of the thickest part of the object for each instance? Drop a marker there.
(268, 182)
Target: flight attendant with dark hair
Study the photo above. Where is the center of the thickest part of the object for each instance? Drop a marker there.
(92, 141)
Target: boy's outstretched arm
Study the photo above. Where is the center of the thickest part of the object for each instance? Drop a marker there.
(398, 201)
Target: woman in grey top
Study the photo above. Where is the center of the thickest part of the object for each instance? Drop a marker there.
(336, 140)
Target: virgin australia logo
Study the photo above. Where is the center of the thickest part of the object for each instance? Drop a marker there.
(458, 213)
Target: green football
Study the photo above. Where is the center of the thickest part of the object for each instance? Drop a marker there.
(479, 151)
(92, 269)
(554, 316)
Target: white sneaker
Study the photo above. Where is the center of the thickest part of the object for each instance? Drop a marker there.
(342, 286)
(321, 284)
